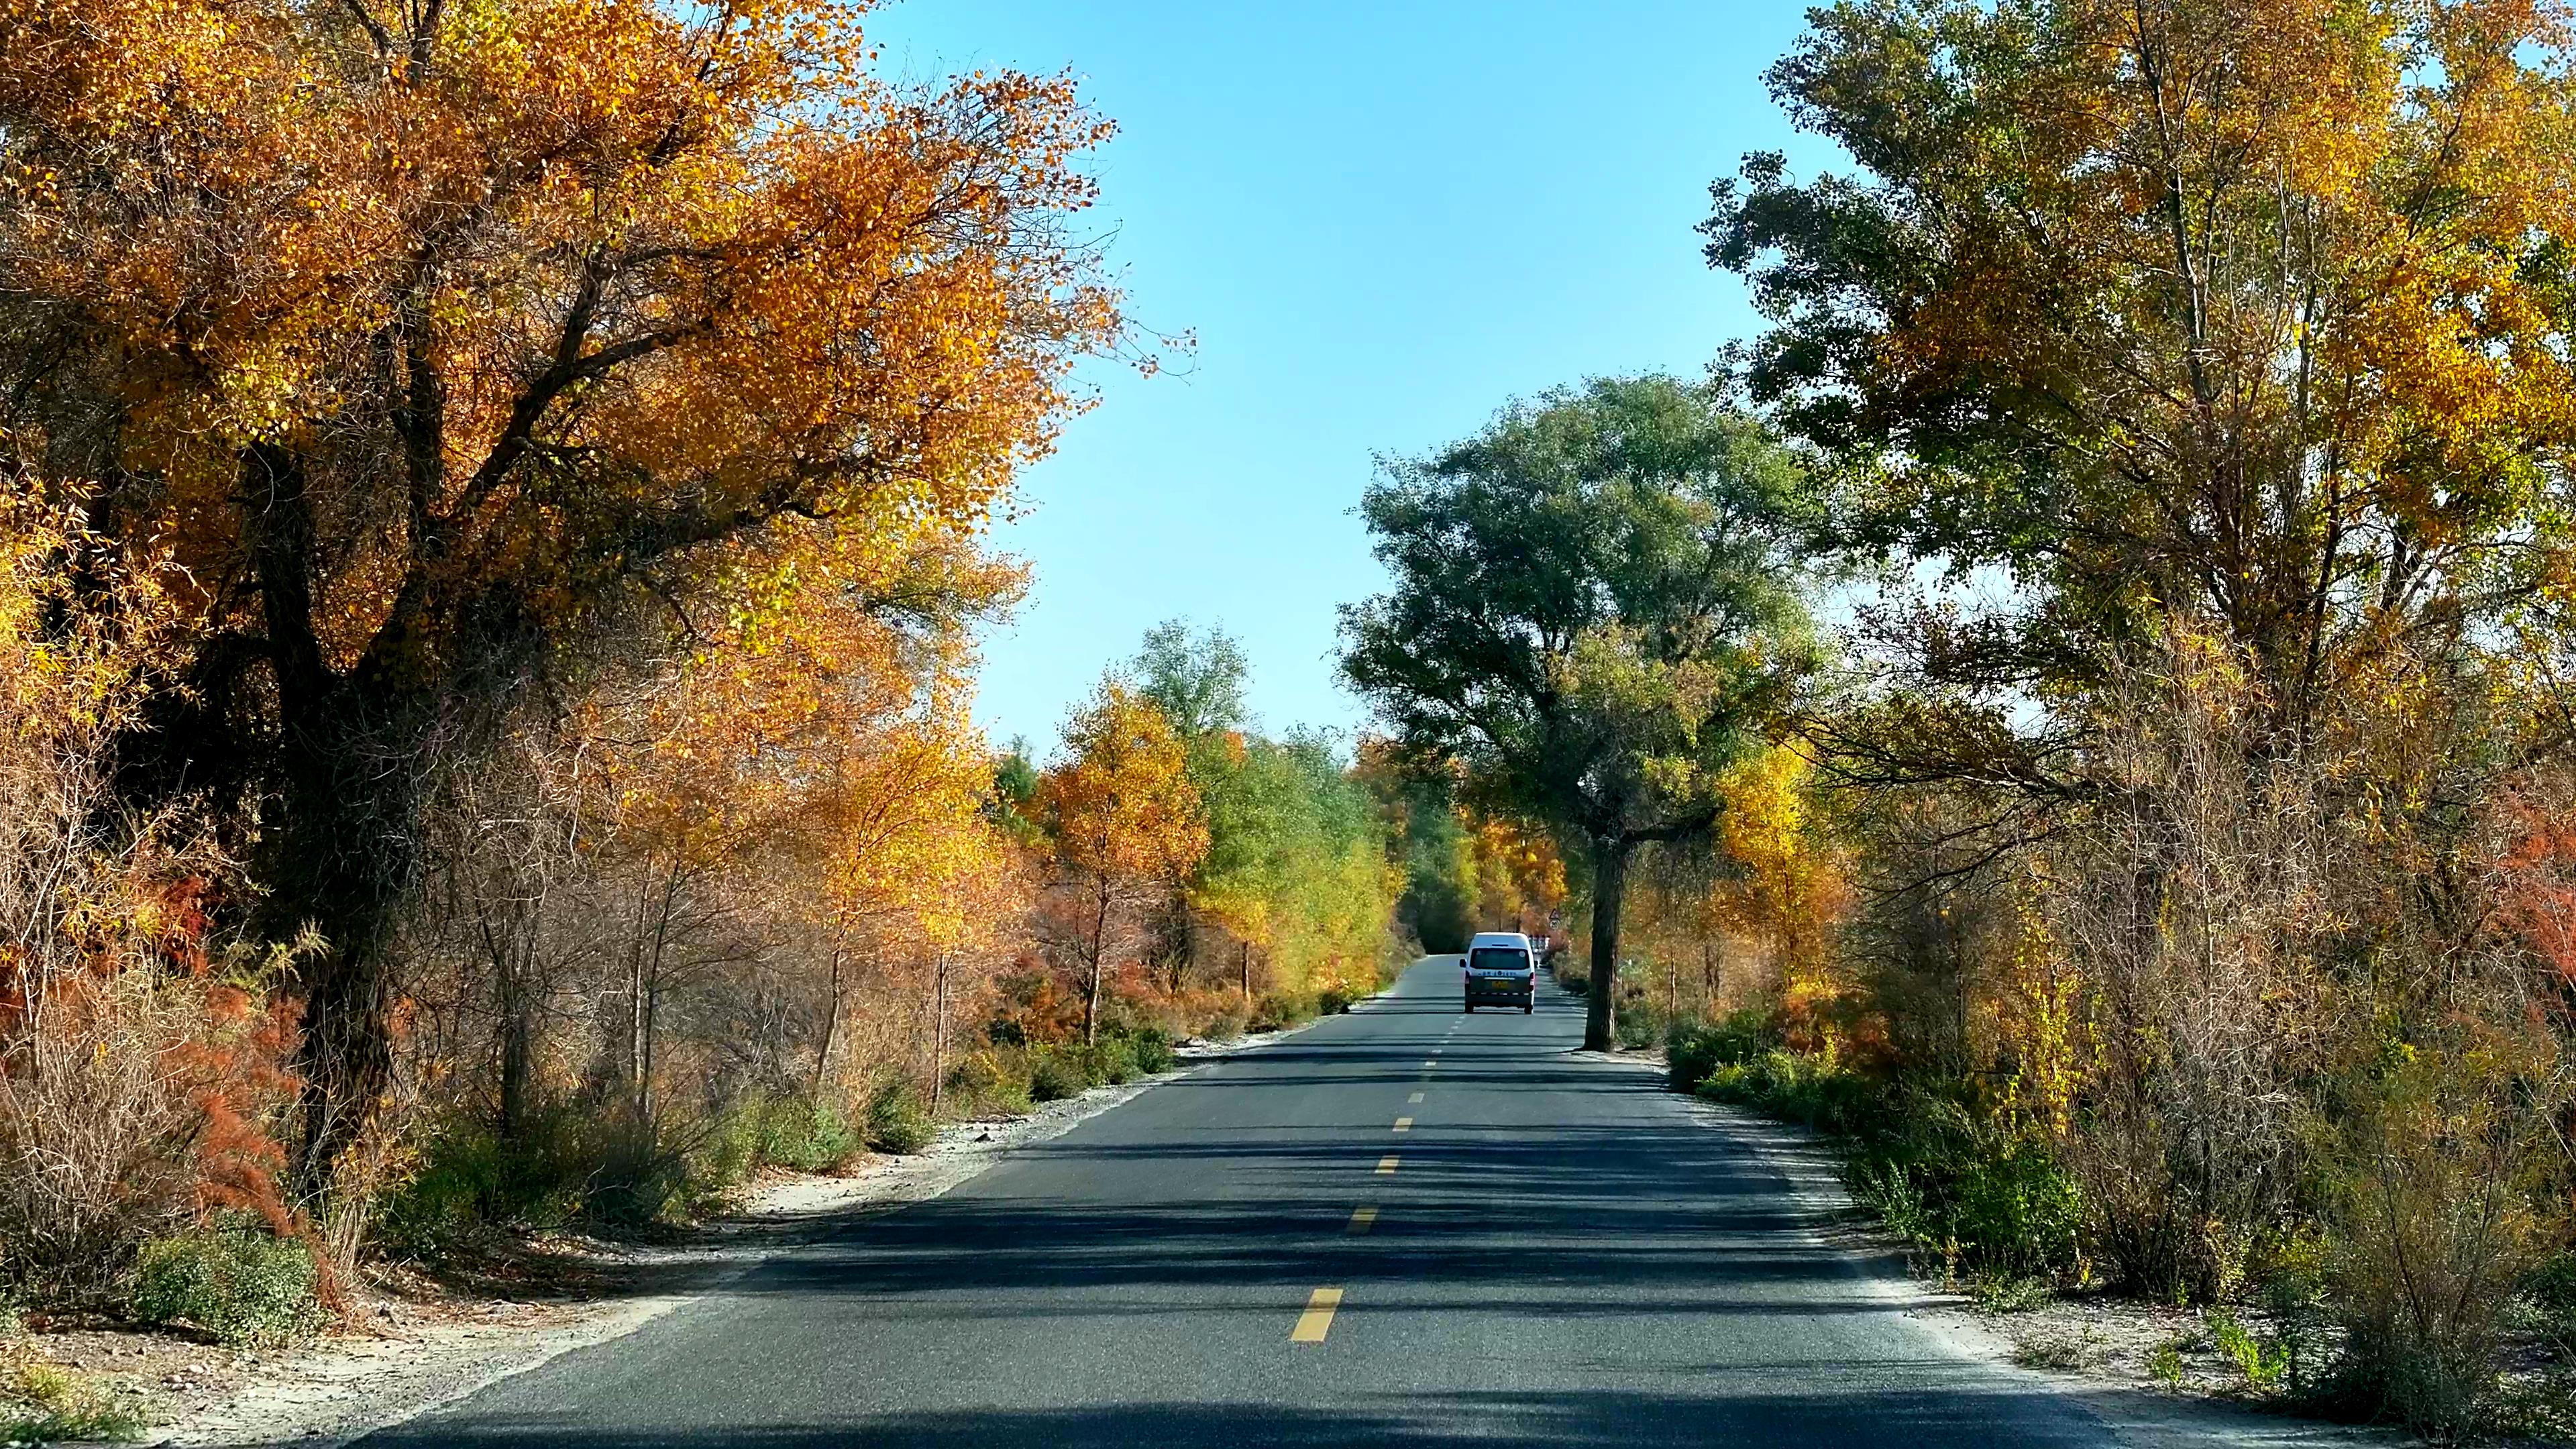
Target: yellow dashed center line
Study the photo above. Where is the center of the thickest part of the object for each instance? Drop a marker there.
(1361, 1218)
(1386, 1164)
(1317, 1320)
(1403, 1124)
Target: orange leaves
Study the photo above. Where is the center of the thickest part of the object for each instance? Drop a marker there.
(2255, 309)
(822, 736)
(1120, 805)
(547, 290)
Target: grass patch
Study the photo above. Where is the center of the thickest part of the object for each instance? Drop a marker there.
(42, 1403)
(897, 1119)
(2000, 1293)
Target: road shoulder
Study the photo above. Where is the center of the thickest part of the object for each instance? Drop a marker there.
(412, 1353)
(1809, 1167)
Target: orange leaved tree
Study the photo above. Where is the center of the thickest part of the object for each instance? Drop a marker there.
(427, 334)
(1123, 819)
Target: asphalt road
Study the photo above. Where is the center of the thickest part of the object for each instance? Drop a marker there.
(1555, 1252)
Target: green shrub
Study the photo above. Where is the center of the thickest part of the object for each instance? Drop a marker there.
(1006, 1097)
(2435, 1172)
(1692, 1050)
(2165, 1366)
(1938, 1174)
(1280, 1010)
(1332, 1001)
(1815, 1089)
(466, 1177)
(239, 1283)
(992, 1082)
(1152, 1050)
(1108, 1061)
(643, 1171)
(1923, 1157)
(897, 1120)
(2001, 1292)
(805, 1135)
(1642, 1020)
(2261, 1363)
(1054, 1074)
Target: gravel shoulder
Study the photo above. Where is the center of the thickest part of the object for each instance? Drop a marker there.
(414, 1345)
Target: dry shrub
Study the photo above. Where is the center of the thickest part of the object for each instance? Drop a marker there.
(137, 1072)
(2189, 905)
(2435, 1164)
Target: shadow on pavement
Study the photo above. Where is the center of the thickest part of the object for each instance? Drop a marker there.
(1913, 1418)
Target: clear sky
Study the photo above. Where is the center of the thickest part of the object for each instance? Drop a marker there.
(1380, 220)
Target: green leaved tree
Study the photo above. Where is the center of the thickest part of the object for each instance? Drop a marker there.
(1597, 605)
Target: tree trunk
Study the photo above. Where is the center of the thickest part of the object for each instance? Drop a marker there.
(518, 1050)
(1609, 887)
(831, 1025)
(1099, 948)
(344, 859)
(938, 1033)
(1243, 962)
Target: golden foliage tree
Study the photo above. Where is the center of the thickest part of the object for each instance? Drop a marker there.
(2252, 310)
(1122, 817)
(424, 333)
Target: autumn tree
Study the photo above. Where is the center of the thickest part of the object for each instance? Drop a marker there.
(139, 1054)
(1123, 820)
(2253, 311)
(426, 333)
(2222, 347)
(1596, 610)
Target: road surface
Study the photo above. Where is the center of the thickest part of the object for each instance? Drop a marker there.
(1402, 1226)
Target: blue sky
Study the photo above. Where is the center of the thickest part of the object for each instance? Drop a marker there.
(1380, 220)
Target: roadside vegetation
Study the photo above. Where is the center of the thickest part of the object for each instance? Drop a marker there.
(492, 538)
(2161, 889)
(491, 541)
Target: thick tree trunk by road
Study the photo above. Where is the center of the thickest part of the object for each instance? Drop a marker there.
(1609, 887)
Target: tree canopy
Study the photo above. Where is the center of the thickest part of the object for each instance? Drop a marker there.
(1597, 607)
(421, 338)
(2254, 311)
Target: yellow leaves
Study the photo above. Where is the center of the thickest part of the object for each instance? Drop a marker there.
(85, 634)
(812, 294)
(1795, 884)
(1120, 804)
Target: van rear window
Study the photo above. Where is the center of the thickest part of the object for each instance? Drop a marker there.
(1499, 958)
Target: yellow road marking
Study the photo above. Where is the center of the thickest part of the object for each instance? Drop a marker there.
(1416, 1097)
(1361, 1218)
(1403, 1124)
(1317, 1320)
(1386, 1164)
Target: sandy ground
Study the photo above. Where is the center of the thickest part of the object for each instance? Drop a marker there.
(414, 1345)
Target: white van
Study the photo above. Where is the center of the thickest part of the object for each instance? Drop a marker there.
(1501, 969)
